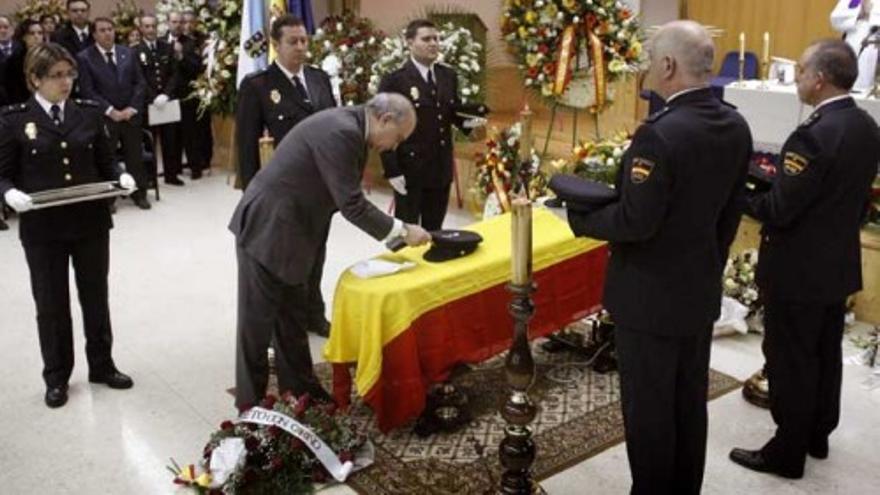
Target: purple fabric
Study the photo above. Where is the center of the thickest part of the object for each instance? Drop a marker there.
(854, 3)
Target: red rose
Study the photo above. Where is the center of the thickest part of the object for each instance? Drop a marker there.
(346, 456)
(251, 443)
(269, 402)
(274, 431)
(227, 425)
(296, 443)
(319, 475)
(276, 464)
(543, 48)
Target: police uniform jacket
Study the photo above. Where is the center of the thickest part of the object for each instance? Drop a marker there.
(810, 248)
(425, 158)
(677, 215)
(36, 155)
(159, 69)
(268, 100)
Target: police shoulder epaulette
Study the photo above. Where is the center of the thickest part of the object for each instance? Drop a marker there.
(87, 103)
(654, 117)
(11, 109)
(812, 119)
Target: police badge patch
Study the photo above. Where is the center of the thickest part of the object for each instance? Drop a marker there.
(414, 93)
(275, 96)
(640, 170)
(793, 164)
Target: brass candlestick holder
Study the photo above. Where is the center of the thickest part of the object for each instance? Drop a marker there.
(517, 450)
(742, 70)
(765, 73)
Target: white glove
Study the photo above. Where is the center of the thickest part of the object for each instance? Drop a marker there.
(161, 99)
(127, 182)
(474, 123)
(18, 201)
(399, 184)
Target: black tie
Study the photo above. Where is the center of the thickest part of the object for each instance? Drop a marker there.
(82, 37)
(301, 90)
(56, 114)
(431, 83)
(110, 61)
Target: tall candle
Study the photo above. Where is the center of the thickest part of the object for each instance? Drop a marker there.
(525, 141)
(766, 54)
(742, 45)
(521, 241)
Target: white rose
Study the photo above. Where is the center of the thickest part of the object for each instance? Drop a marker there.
(225, 74)
(359, 71)
(729, 284)
(319, 32)
(343, 48)
(327, 45)
(617, 152)
(339, 26)
(466, 91)
(609, 162)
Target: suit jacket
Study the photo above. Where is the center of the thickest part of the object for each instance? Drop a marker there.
(188, 68)
(678, 212)
(425, 158)
(284, 214)
(66, 36)
(159, 69)
(36, 155)
(810, 248)
(268, 100)
(12, 75)
(120, 89)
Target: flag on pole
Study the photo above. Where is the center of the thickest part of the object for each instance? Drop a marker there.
(277, 8)
(254, 42)
(303, 10)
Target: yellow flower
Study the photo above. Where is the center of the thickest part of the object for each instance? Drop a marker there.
(616, 65)
(551, 10)
(547, 89)
(523, 32)
(571, 5)
(531, 17)
(532, 59)
(204, 480)
(635, 50)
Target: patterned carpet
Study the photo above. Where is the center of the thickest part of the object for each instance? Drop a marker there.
(579, 416)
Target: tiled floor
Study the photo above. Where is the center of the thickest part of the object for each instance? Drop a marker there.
(173, 307)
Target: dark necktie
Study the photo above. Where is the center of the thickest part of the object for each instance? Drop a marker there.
(301, 90)
(83, 36)
(56, 114)
(110, 61)
(431, 83)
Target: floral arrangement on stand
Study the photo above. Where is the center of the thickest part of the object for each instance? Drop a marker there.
(458, 49)
(250, 457)
(215, 87)
(34, 9)
(599, 160)
(594, 42)
(501, 172)
(126, 15)
(346, 47)
(165, 7)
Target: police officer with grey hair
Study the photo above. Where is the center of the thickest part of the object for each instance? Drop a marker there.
(670, 231)
(810, 258)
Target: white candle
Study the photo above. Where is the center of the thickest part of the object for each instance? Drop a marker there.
(521, 241)
(742, 46)
(766, 55)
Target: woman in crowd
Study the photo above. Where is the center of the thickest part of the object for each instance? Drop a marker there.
(29, 33)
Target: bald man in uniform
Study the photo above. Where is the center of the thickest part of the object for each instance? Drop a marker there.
(670, 232)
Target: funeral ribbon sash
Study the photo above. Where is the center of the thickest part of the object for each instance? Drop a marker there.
(597, 58)
(563, 63)
(257, 415)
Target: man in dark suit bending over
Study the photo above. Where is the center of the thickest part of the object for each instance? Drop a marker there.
(280, 228)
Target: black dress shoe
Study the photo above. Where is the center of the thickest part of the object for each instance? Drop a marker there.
(3, 225)
(56, 396)
(754, 460)
(819, 449)
(174, 181)
(196, 175)
(142, 203)
(320, 327)
(114, 379)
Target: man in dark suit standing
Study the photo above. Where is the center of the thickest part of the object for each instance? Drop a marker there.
(76, 35)
(110, 75)
(187, 52)
(420, 170)
(275, 100)
(158, 65)
(280, 228)
(670, 233)
(810, 258)
(202, 134)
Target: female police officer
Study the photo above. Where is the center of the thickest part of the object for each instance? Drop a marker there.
(48, 142)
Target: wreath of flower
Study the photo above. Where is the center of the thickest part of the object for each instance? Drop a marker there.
(544, 33)
(345, 47)
(500, 171)
(458, 49)
(34, 9)
(126, 15)
(269, 459)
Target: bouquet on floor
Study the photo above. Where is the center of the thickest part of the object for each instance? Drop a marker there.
(345, 48)
(739, 279)
(285, 445)
(501, 172)
(458, 50)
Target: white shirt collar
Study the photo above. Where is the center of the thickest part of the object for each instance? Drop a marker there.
(684, 92)
(104, 52)
(831, 100)
(289, 75)
(80, 32)
(423, 69)
(46, 105)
